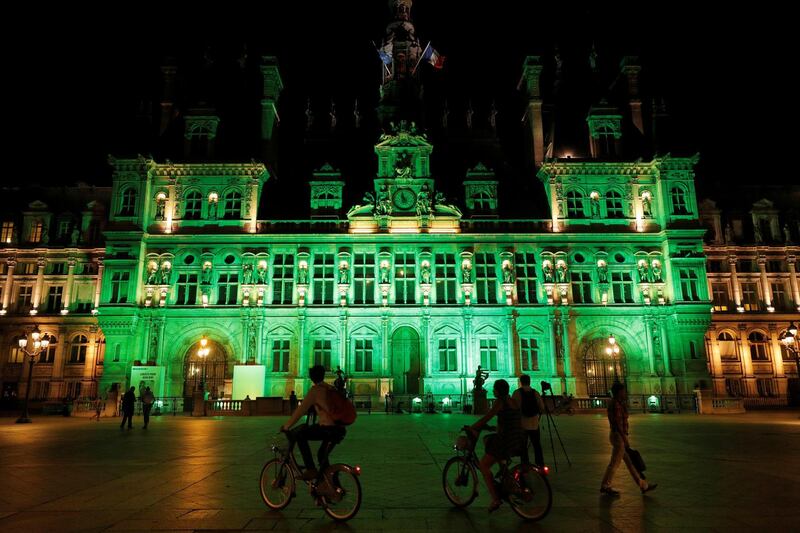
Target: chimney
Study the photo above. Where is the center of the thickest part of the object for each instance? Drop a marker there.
(272, 90)
(168, 71)
(660, 126)
(531, 71)
(629, 66)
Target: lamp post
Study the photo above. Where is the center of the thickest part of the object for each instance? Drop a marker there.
(202, 353)
(789, 340)
(612, 350)
(39, 344)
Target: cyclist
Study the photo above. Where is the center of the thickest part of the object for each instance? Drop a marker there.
(508, 441)
(326, 430)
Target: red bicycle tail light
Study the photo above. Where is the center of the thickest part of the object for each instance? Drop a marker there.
(546, 470)
(357, 470)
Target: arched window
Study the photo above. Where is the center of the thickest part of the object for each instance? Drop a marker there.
(49, 355)
(758, 346)
(727, 346)
(482, 201)
(194, 203)
(233, 205)
(77, 353)
(575, 205)
(679, 205)
(614, 205)
(127, 207)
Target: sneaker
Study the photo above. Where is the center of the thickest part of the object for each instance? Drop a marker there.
(608, 491)
(651, 486)
(310, 474)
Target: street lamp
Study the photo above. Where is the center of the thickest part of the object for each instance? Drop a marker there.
(39, 344)
(202, 353)
(789, 340)
(613, 350)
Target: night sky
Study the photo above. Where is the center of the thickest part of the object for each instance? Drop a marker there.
(77, 76)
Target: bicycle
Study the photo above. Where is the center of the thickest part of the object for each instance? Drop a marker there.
(524, 487)
(338, 490)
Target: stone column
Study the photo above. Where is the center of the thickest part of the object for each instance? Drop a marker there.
(91, 357)
(386, 361)
(791, 261)
(567, 351)
(650, 329)
(766, 290)
(775, 349)
(37, 288)
(747, 362)
(99, 283)
(665, 350)
(66, 301)
(737, 290)
(424, 357)
(467, 344)
(717, 374)
(553, 348)
(513, 366)
(12, 265)
(344, 346)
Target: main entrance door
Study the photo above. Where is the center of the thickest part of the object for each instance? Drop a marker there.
(405, 361)
(601, 369)
(212, 368)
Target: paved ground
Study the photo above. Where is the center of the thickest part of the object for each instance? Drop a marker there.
(714, 473)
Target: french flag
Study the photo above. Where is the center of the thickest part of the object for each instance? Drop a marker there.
(433, 57)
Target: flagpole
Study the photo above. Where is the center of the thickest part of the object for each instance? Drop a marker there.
(420, 58)
(389, 72)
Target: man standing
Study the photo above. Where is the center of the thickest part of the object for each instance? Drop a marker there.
(147, 404)
(618, 420)
(532, 406)
(128, 404)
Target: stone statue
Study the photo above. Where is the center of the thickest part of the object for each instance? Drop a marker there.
(212, 210)
(508, 272)
(344, 274)
(76, 234)
(787, 234)
(470, 112)
(728, 232)
(657, 272)
(247, 274)
(385, 273)
(383, 207)
(205, 277)
(757, 232)
(302, 276)
(561, 272)
(425, 273)
(333, 116)
(160, 207)
(493, 118)
(646, 206)
(466, 272)
(547, 269)
(480, 378)
(309, 116)
(403, 167)
(594, 204)
(261, 274)
(642, 268)
(152, 274)
(423, 201)
(602, 272)
(165, 274)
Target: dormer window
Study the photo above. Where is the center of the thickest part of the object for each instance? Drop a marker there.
(679, 205)
(614, 205)
(37, 228)
(7, 233)
(575, 205)
(128, 206)
(233, 205)
(193, 206)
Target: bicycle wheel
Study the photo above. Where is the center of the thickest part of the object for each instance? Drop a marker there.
(340, 491)
(276, 484)
(531, 496)
(460, 481)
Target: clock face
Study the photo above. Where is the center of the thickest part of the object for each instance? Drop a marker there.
(404, 198)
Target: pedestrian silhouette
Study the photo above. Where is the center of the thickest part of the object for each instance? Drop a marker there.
(128, 404)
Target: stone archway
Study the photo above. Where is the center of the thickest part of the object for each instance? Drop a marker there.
(600, 369)
(213, 368)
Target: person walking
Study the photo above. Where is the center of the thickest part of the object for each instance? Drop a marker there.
(532, 407)
(292, 401)
(98, 407)
(148, 399)
(128, 405)
(618, 420)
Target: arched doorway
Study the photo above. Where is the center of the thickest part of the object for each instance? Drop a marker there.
(405, 361)
(213, 368)
(601, 369)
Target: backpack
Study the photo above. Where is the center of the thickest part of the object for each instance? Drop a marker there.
(530, 407)
(341, 410)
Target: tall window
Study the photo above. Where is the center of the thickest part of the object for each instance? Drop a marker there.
(280, 355)
(721, 296)
(622, 287)
(194, 206)
(233, 205)
(405, 279)
(187, 289)
(779, 299)
(575, 204)
(678, 196)
(448, 355)
(364, 278)
(128, 206)
(750, 300)
(485, 279)
(445, 278)
(581, 287)
(758, 346)
(614, 204)
(36, 231)
(24, 298)
(227, 289)
(689, 286)
(727, 346)
(7, 232)
(49, 355)
(54, 298)
(15, 353)
(283, 279)
(63, 228)
(57, 268)
(488, 349)
(322, 353)
(77, 352)
(363, 355)
(529, 353)
(324, 276)
(119, 287)
(525, 266)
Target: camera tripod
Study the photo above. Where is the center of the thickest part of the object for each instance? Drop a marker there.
(551, 425)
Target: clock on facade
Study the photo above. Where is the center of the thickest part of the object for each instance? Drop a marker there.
(404, 198)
